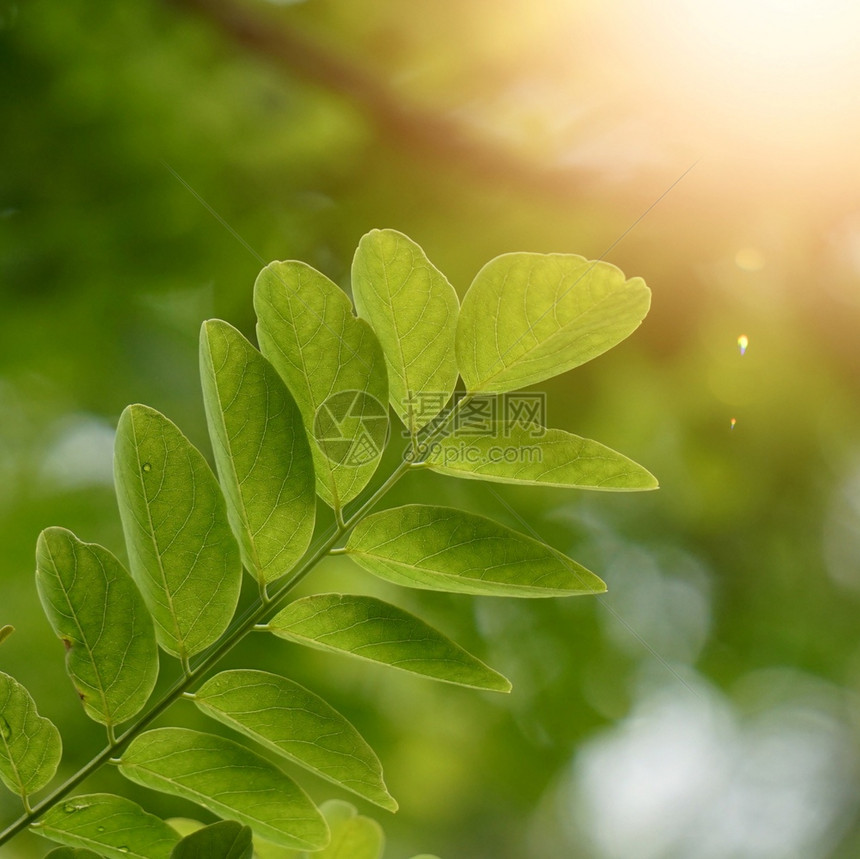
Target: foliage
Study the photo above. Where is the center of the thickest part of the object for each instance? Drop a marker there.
(189, 535)
(741, 575)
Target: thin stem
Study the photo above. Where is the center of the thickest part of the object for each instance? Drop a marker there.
(259, 612)
(427, 443)
(371, 502)
(435, 136)
(264, 593)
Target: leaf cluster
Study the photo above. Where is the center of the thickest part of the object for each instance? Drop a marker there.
(304, 417)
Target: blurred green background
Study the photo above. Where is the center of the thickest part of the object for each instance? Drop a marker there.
(154, 155)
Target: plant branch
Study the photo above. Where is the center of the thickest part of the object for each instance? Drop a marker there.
(264, 607)
(258, 613)
(430, 134)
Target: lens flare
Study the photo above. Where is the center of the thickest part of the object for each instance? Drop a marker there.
(743, 342)
(732, 423)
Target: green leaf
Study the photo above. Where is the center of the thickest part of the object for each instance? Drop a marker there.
(413, 310)
(227, 779)
(353, 836)
(529, 454)
(182, 553)
(30, 745)
(112, 826)
(333, 366)
(379, 632)
(225, 839)
(5, 632)
(261, 451)
(267, 850)
(528, 317)
(294, 722)
(96, 609)
(438, 548)
(72, 853)
(184, 825)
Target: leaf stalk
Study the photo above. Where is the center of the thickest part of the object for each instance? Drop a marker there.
(254, 620)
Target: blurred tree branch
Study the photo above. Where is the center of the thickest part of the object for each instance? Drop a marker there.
(429, 134)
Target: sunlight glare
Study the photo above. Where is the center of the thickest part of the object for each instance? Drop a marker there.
(768, 75)
(787, 40)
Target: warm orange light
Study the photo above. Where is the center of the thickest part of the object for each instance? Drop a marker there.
(750, 259)
(794, 39)
(762, 77)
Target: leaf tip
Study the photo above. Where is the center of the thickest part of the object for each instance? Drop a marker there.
(212, 324)
(496, 682)
(389, 803)
(136, 411)
(378, 234)
(649, 482)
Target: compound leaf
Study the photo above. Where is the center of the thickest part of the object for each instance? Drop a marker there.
(112, 826)
(529, 454)
(228, 780)
(261, 452)
(333, 365)
(528, 317)
(374, 630)
(96, 609)
(413, 310)
(439, 548)
(30, 744)
(182, 553)
(291, 721)
(225, 839)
